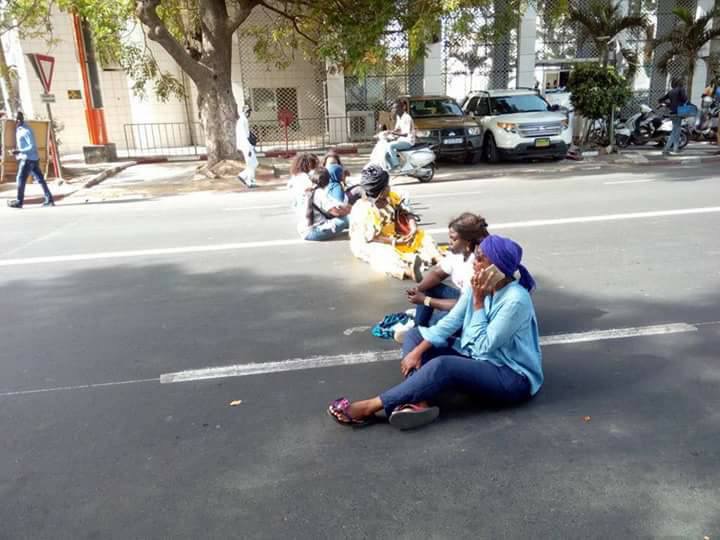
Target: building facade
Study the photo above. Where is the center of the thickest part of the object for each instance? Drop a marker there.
(318, 105)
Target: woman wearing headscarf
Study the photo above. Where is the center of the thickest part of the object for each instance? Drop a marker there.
(497, 356)
(384, 233)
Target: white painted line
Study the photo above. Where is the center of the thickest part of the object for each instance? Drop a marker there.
(294, 242)
(356, 329)
(628, 182)
(594, 219)
(296, 364)
(77, 387)
(268, 207)
(617, 333)
(242, 370)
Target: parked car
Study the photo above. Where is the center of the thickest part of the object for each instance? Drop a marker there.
(440, 122)
(518, 124)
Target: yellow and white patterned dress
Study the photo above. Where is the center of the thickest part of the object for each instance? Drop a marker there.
(368, 221)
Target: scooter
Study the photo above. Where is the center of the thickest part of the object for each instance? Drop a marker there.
(704, 128)
(417, 162)
(654, 126)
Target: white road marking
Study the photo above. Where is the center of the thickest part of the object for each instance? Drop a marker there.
(243, 370)
(76, 387)
(297, 241)
(268, 207)
(354, 329)
(628, 182)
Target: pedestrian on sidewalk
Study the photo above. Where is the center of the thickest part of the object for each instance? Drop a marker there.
(674, 98)
(246, 144)
(26, 152)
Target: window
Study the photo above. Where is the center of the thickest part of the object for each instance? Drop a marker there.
(263, 100)
(518, 104)
(423, 108)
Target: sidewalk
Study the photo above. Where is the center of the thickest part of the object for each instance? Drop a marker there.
(76, 174)
(693, 153)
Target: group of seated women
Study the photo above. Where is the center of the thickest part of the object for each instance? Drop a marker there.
(476, 335)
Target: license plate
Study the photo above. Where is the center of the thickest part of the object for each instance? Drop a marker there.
(542, 143)
(453, 141)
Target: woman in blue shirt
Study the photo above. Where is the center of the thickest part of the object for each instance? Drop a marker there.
(496, 357)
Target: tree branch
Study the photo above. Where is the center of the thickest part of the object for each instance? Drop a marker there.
(292, 18)
(146, 11)
(239, 12)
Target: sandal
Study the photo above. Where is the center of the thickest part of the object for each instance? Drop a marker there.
(342, 406)
(411, 416)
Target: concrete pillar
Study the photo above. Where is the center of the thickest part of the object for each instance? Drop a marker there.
(527, 35)
(433, 76)
(336, 107)
(701, 67)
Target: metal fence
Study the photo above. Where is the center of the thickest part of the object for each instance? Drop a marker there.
(181, 139)
(163, 139)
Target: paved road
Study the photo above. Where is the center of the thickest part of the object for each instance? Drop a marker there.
(102, 300)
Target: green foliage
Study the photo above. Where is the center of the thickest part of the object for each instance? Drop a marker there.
(682, 45)
(596, 89)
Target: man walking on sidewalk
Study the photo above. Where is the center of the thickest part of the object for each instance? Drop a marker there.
(675, 97)
(246, 144)
(26, 153)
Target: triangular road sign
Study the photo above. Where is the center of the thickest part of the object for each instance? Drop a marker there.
(44, 67)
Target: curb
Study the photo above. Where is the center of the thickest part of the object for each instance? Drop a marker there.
(689, 160)
(98, 178)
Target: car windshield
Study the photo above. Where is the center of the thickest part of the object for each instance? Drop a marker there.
(423, 108)
(518, 104)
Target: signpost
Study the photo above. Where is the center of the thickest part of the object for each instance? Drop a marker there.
(44, 67)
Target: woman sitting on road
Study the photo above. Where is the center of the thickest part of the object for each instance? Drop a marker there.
(385, 234)
(433, 298)
(497, 356)
(300, 184)
(338, 174)
(324, 217)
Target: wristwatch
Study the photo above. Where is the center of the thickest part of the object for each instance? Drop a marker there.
(427, 300)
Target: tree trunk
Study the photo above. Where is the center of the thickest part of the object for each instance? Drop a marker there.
(218, 114)
(12, 100)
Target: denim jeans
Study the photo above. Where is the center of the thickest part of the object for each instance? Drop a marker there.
(328, 230)
(674, 138)
(27, 167)
(393, 148)
(427, 316)
(445, 369)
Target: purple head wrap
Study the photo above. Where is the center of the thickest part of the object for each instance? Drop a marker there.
(506, 255)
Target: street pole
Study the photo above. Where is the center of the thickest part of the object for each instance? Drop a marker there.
(53, 143)
(611, 130)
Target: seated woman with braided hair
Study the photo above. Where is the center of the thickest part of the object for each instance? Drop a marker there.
(384, 233)
(433, 298)
(496, 358)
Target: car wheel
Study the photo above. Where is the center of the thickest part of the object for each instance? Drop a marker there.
(491, 152)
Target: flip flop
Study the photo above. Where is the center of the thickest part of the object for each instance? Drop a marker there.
(342, 405)
(412, 416)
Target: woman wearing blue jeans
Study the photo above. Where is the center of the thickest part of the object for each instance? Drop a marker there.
(497, 356)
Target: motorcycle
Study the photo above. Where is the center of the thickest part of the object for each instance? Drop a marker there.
(654, 126)
(417, 162)
(704, 127)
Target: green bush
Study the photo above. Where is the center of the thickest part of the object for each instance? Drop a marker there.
(595, 89)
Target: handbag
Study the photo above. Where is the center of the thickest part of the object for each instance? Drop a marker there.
(687, 109)
(252, 139)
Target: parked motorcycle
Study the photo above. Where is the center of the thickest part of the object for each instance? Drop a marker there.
(417, 162)
(650, 125)
(705, 125)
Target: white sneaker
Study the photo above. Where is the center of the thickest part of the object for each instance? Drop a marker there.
(400, 330)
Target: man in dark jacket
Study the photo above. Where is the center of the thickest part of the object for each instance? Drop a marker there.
(674, 98)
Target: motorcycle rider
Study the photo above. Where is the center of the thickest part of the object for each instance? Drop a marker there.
(676, 96)
(404, 132)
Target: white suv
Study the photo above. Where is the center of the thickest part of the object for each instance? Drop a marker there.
(519, 124)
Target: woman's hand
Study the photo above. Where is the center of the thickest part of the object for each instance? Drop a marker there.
(415, 297)
(412, 361)
(480, 283)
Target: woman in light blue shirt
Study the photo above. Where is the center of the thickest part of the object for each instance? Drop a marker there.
(497, 356)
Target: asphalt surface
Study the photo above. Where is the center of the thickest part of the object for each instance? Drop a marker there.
(623, 441)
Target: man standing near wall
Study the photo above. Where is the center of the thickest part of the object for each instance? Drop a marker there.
(246, 144)
(26, 153)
